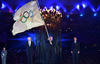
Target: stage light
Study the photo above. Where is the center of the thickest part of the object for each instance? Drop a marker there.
(3, 6)
(10, 10)
(93, 10)
(65, 10)
(81, 14)
(57, 7)
(78, 6)
(98, 8)
(45, 8)
(84, 5)
(95, 14)
(68, 16)
(51, 8)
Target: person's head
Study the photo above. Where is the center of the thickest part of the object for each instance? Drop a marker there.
(4, 48)
(75, 39)
(50, 38)
(29, 38)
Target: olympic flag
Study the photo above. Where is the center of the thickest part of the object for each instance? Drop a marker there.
(27, 17)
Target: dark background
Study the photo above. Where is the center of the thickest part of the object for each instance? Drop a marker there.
(86, 28)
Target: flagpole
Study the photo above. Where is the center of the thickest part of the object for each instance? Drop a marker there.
(45, 25)
(44, 22)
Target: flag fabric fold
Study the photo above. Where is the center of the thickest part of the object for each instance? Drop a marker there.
(27, 17)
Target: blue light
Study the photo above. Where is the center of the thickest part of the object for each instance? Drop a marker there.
(45, 8)
(95, 14)
(57, 7)
(68, 16)
(98, 8)
(3, 6)
(23, 39)
(64, 10)
(51, 8)
(64, 40)
(84, 5)
(93, 10)
(78, 6)
(21, 4)
(81, 14)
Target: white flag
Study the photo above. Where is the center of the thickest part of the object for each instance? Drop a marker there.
(27, 17)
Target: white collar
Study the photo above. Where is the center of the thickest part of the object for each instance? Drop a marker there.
(75, 41)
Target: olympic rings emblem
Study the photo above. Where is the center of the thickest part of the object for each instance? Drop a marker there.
(26, 15)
